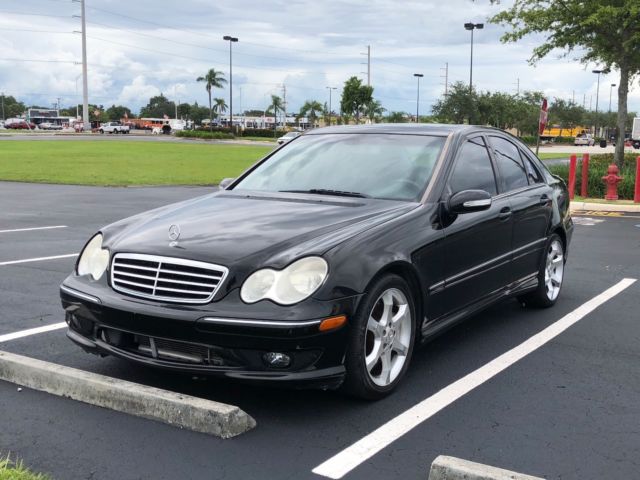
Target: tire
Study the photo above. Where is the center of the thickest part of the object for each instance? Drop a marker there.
(389, 349)
(549, 283)
(102, 131)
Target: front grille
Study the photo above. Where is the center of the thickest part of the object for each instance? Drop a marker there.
(165, 278)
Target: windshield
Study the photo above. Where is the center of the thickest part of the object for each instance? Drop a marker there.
(388, 166)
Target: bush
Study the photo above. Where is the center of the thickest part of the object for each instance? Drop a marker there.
(262, 132)
(204, 134)
(564, 140)
(529, 140)
(598, 165)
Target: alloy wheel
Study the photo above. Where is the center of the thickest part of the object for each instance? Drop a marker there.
(388, 337)
(554, 270)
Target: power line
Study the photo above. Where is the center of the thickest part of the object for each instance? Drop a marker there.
(37, 60)
(30, 30)
(34, 14)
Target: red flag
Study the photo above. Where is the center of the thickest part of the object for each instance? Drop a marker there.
(542, 124)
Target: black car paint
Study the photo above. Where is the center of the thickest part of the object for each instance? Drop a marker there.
(455, 263)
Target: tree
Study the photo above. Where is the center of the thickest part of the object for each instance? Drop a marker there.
(13, 108)
(158, 107)
(310, 109)
(397, 117)
(374, 110)
(355, 96)
(219, 106)
(276, 106)
(459, 105)
(606, 32)
(118, 112)
(213, 79)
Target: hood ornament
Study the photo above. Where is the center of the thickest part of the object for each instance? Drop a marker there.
(174, 235)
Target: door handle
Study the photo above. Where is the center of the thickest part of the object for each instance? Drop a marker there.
(504, 213)
(544, 199)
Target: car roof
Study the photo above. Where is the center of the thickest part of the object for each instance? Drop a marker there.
(440, 129)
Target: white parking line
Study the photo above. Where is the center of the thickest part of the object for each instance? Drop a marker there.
(31, 331)
(32, 229)
(39, 259)
(345, 461)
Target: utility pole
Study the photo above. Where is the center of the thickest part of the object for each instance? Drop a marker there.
(518, 87)
(330, 88)
(284, 104)
(368, 64)
(3, 106)
(584, 100)
(446, 78)
(573, 97)
(85, 82)
(58, 105)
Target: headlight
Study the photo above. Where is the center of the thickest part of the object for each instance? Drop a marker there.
(93, 259)
(286, 287)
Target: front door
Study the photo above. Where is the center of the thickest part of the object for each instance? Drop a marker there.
(477, 244)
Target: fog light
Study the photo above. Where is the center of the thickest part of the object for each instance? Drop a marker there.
(277, 359)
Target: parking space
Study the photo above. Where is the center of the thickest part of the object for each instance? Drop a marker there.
(566, 410)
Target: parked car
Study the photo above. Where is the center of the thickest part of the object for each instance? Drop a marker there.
(287, 137)
(585, 139)
(18, 124)
(49, 126)
(113, 127)
(326, 263)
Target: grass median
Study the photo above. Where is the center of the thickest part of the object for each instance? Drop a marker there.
(120, 163)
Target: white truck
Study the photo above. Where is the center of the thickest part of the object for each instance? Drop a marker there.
(113, 127)
(635, 133)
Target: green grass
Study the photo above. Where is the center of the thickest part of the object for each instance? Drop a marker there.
(17, 471)
(258, 139)
(124, 162)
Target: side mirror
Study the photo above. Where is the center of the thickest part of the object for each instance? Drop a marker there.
(469, 201)
(225, 183)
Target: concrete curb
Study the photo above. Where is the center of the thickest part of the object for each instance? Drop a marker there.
(175, 409)
(452, 468)
(603, 207)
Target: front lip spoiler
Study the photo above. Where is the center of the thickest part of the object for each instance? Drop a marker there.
(326, 378)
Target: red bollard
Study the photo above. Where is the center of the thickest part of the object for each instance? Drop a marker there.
(636, 195)
(572, 176)
(585, 175)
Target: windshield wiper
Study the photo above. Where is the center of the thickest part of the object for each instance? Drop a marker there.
(325, 191)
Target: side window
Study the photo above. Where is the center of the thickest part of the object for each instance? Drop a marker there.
(533, 174)
(473, 169)
(509, 164)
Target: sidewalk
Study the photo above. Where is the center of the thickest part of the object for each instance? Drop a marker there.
(604, 207)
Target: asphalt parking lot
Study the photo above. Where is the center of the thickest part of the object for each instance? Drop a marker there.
(568, 410)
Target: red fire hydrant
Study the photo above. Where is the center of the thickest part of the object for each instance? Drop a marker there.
(612, 179)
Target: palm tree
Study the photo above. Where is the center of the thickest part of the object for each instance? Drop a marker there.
(275, 107)
(220, 106)
(310, 109)
(374, 109)
(213, 79)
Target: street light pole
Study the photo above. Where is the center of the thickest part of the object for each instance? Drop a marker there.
(330, 88)
(595, 133)
(610, 91)
(472, 26)
(418, 76)
(85, 83)
(231, 41)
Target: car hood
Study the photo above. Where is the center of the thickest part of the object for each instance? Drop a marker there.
(255, 228)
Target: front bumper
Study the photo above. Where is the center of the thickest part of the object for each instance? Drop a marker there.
(216, 342)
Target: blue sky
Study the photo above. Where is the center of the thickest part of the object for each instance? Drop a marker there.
(139, 49)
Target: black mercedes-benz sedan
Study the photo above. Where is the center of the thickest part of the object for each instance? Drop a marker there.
(327, 262)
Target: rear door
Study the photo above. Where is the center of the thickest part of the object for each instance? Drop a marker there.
(530, 199)
(477, 245)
